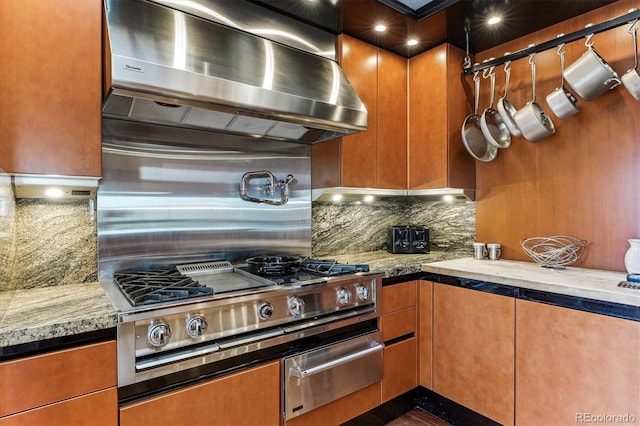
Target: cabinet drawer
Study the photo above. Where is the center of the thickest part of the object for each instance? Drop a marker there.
(52, 377)
(398, 323)
(249, 397)
(398, 296)
(95, 409)
(399, 369)
(342, 410)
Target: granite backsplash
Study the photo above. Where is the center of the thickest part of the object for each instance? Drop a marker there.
(348, 228)
(50, 243)
(47, 243)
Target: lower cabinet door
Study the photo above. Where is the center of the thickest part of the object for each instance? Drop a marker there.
(94, 409)
(341, 410)
(399, 368)
(250, 397)
(575, 367)
(474, 350)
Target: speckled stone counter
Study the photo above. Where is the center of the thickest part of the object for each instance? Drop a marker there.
(585, 283)
(34, 315)
(394, 265)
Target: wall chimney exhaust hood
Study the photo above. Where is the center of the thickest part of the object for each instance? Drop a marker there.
(165, 66)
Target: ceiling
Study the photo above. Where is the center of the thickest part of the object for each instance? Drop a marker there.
(432, 22)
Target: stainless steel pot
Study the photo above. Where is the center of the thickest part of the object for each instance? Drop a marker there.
(472, 137)
(493, 126)
(532, 120)
(505, 107)
(631, 79)
(562, 102)
(590, 75)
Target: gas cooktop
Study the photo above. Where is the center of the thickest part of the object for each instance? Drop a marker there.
(216, 278)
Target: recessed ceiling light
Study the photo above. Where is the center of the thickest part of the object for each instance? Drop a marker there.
(412, 42)
(380, 28)
(494, 20)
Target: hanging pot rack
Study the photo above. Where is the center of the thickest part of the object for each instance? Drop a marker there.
(551, 44)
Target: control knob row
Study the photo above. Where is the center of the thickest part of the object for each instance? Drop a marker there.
(159, 332)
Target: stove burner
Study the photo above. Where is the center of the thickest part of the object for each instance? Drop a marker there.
(330, 267)
(148, 287)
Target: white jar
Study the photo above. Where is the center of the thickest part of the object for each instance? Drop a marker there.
(632, 257)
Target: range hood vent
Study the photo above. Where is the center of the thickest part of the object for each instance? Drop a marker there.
(165, 66)
(368, 195)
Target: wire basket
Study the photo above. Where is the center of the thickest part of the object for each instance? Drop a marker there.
(556, 252)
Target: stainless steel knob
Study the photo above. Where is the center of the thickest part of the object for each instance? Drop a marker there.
(265, 310)
(296, 306)
(344, 296)
(196, 326)
(159, 333)
(363, 292)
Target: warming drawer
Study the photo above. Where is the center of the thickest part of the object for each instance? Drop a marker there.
(319, 376)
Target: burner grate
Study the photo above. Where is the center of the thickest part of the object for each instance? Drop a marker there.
(148, 287)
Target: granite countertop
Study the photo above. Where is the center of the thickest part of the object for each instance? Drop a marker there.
(38, 314)
(580, 282)
(394, 265)
(34, 315)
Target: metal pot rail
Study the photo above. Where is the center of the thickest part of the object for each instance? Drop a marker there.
(551, 44)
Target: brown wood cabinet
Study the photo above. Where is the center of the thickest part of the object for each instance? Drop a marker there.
(341, 410)
(50, 81)
(474, 349)
(437, 108)
(572, 364)
(425, 334)
(398, 321)
(399, 368)
(94, 409)
(377, 157)
(50, 378)
(250, 397)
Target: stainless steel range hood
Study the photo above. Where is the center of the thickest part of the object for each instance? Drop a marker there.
(165, 66)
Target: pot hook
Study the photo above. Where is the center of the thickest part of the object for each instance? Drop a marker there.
(633, 30)
(507, 72)
(490, 73)
(588, 42)
(561, 53)
(476, 80)
(532, 61)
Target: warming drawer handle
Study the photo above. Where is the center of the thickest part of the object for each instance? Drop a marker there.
(302, 373)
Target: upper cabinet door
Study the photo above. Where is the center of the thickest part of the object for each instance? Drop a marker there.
(50, 81)
(392, 121)
(437, 109)
(359, 61)
(377, 157)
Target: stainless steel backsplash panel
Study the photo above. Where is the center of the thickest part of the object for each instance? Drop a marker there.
(171, 196)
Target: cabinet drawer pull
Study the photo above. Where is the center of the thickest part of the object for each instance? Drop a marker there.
(302, 373)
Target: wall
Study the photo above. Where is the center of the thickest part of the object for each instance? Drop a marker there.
(583, 181)
(348, 229)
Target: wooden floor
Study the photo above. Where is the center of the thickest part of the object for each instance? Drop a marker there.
(417, 417)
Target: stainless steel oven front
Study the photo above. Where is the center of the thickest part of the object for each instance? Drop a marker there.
(319, 376)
